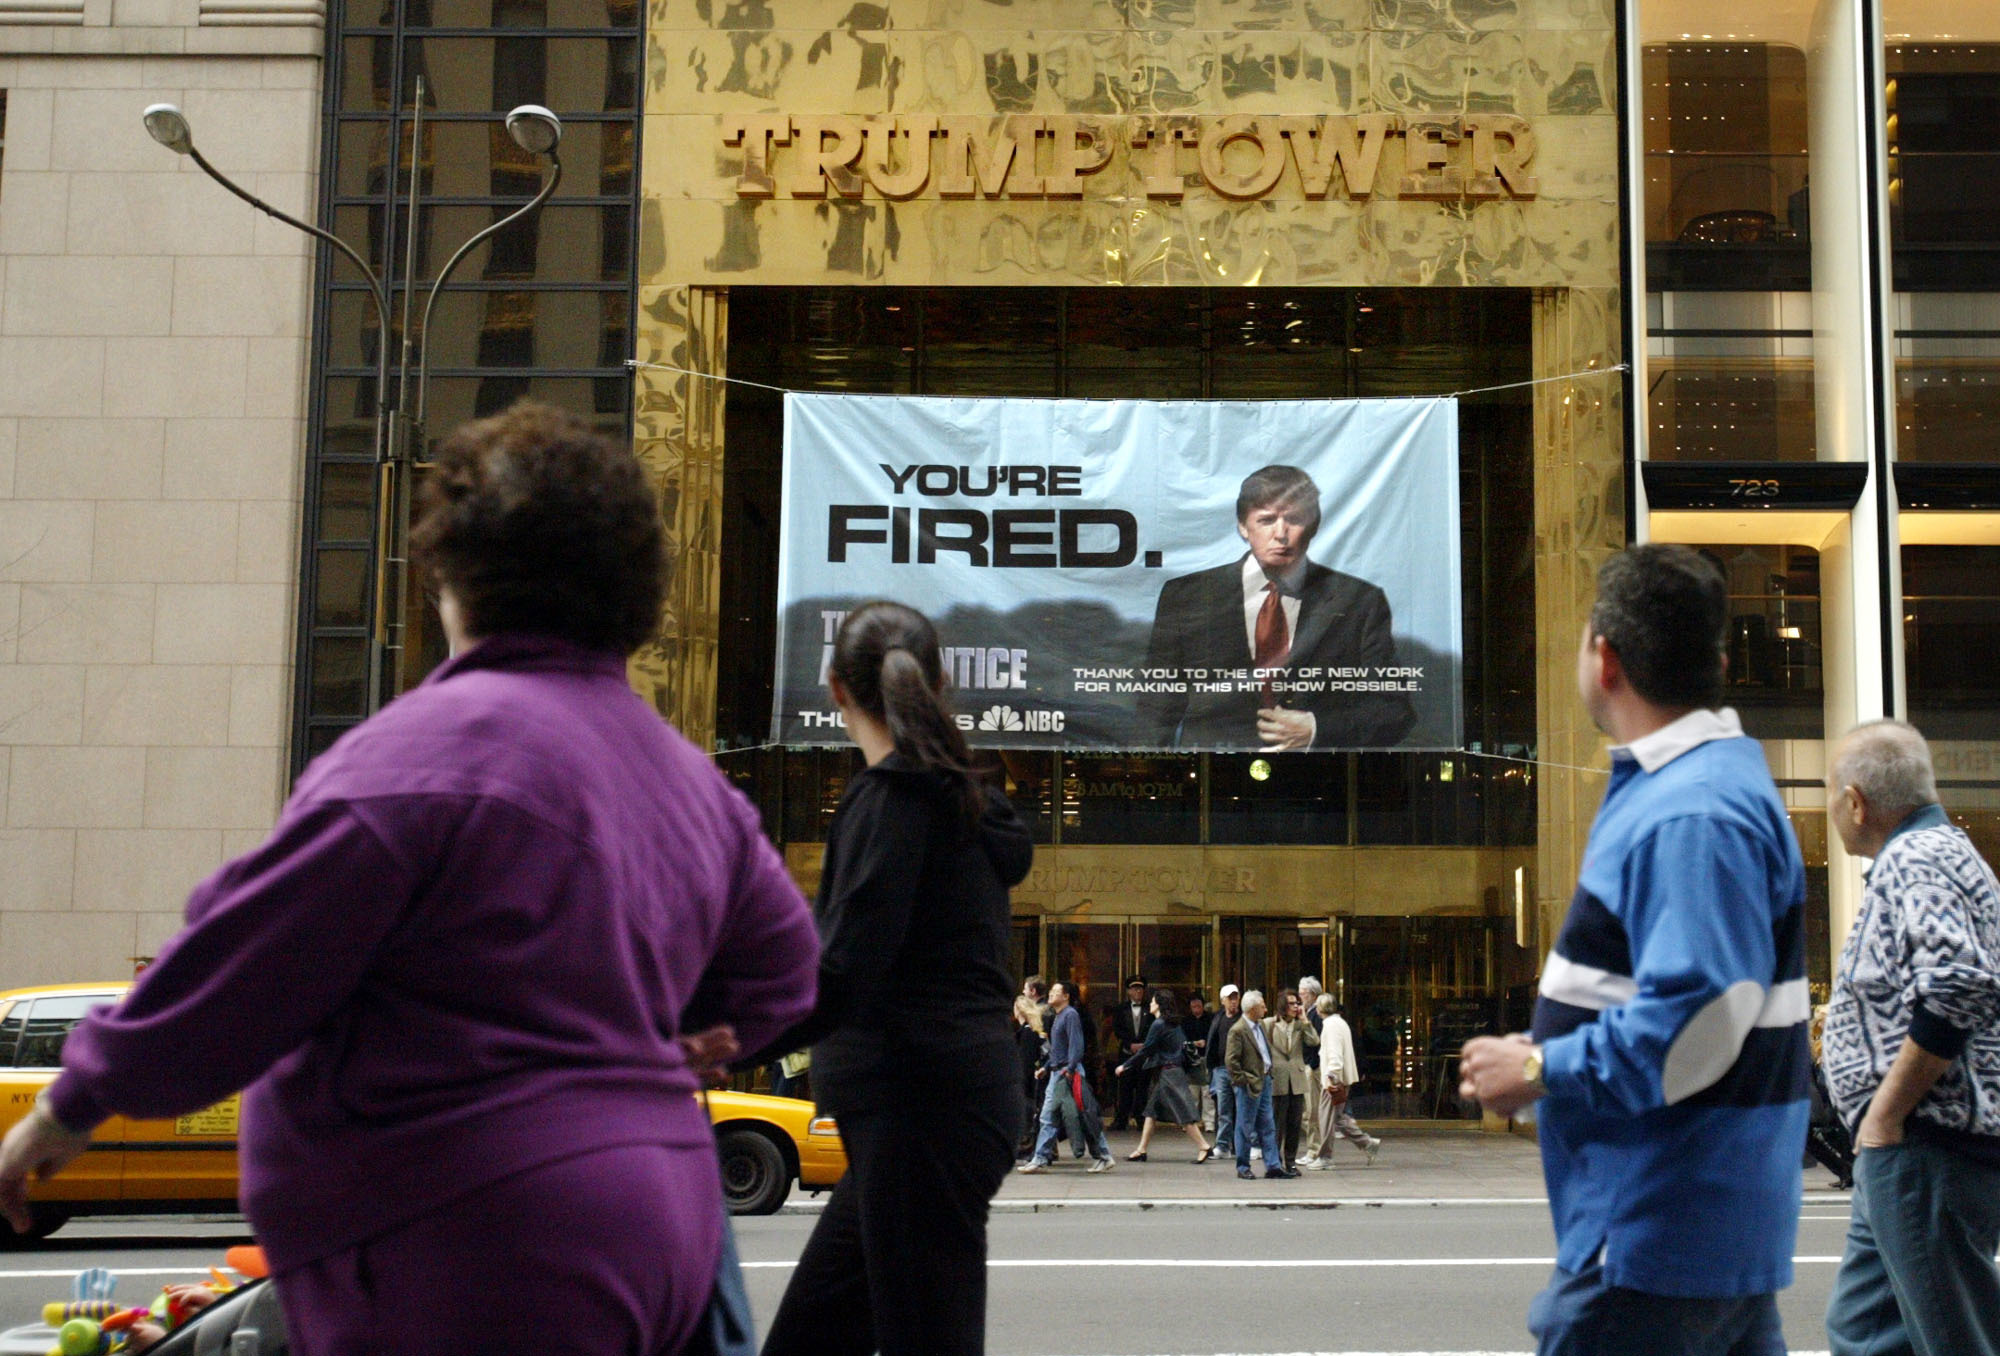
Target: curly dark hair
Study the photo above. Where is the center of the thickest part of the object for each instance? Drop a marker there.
(537, 523)
(1663, 609)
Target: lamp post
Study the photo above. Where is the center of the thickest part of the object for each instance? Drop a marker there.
(399, 428)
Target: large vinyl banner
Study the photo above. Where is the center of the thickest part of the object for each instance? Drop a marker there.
(1234, 575)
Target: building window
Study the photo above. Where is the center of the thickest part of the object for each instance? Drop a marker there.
(1944, 177)
(1944, 225)
(1951, 630)
(1774, 677)
(1727, 201)
(542, 311)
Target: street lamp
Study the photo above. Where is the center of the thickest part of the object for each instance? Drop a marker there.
(399, 432)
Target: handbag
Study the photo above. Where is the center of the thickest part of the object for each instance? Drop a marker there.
(1337, 1096)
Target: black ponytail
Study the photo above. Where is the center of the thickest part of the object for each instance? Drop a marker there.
(886, 656)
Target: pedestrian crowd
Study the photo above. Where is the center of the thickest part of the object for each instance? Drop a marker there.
(508, 927)
(1269, 1084)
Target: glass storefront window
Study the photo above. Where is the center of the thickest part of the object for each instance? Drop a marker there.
(1085, 956)
(1150, 338)
(1424, 798)
(1270, 953)
(1951, 632)
(1289, 798)
(1029, 779)
(1774, 675)
(1131, 798)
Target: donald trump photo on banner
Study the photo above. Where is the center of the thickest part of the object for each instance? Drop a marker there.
(1276, 613)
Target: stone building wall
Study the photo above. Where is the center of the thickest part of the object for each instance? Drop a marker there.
(153, 335)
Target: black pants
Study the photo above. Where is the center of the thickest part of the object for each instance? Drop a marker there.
(1132, 1090)
(1288, 1108)
(911, 1211)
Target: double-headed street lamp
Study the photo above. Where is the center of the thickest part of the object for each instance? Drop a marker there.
(399, 430)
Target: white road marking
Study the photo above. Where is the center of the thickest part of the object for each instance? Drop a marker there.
(1259, 1263)
(1036, 1205)
(1042, 1204)
(69, 1273)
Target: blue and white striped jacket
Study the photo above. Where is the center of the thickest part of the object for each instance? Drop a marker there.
(1672, 1021)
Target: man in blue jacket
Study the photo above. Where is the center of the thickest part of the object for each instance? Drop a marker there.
(1669, 1046)
(1066, 1052)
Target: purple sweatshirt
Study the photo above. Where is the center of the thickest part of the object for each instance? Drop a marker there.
(466, 950)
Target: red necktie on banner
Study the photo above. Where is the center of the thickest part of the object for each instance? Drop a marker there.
(1274, 641)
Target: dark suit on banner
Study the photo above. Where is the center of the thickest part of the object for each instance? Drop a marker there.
(1200, 623)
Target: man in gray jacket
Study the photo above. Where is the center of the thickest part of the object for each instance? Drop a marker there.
(1249, 1062)
(1912, 1055)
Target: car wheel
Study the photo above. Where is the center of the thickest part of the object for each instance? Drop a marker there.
(755, 1180)
(43, 1221)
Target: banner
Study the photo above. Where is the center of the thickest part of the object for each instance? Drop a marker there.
(1222, 575)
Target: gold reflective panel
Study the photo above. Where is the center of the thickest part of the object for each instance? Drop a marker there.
(1170, 143)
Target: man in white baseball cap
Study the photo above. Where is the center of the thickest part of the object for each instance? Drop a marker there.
(1218, 1074)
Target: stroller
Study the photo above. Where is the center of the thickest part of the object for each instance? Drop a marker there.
(245, 1322)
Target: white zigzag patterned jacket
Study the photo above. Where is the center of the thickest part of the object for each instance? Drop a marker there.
(1923, 961)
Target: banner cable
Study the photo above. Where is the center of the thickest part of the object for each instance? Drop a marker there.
(640, 364)
(1446, 753)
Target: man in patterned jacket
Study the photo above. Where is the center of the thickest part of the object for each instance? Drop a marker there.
(1912, 1054)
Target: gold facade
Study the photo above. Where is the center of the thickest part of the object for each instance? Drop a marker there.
(1549, 61)
(713, 65)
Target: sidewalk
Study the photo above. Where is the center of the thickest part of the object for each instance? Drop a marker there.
(1420, 1161)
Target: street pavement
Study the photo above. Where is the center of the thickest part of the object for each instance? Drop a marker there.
(1435, 1249)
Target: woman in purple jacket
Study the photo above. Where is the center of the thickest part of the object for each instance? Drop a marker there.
(455, 980)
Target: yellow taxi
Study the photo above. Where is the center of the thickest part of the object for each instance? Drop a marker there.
(188, 1165)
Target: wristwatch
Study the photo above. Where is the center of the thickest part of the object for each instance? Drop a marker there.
(1531, 1068)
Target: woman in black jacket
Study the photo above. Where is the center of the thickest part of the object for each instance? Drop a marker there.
(1171, 1100)
(912, 1051)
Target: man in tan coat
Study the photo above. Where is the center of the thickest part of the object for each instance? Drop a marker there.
(1249, 1063)
(1339, 1071)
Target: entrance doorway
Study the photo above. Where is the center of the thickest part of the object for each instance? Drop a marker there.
(1271, 953)
(1413, 991)
(1095, 957)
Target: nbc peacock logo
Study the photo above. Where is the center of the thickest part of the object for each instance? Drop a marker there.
(1001, 718)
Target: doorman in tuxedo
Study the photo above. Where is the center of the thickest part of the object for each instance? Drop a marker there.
(1130, 1021)
(1273, 610)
